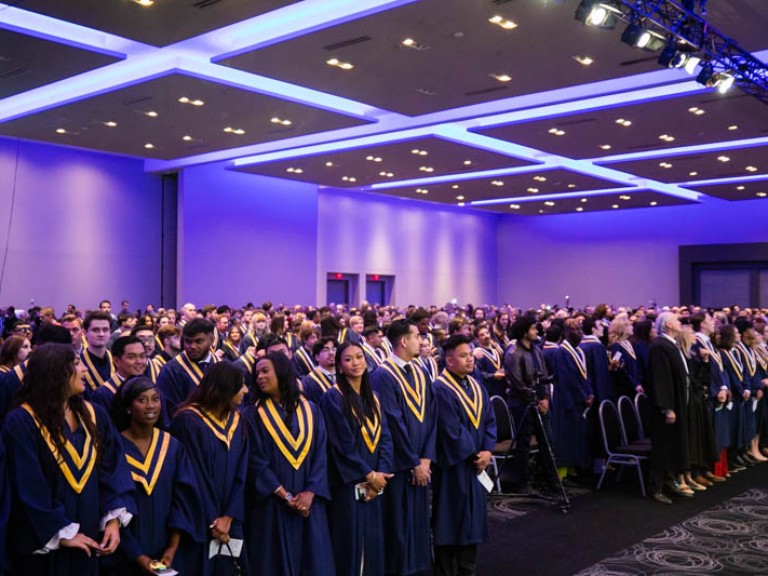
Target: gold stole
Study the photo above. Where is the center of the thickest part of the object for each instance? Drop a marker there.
(472, 404)
(735, 364)
(248, 360)
(92, 376)
(369, 428)
(415, 396)
(578, 357)
(305, 359)
(232, 349)
(4, 369)
(371, 353)
(293, 448)
(114, 383)
(749, 359)
(147, 472)
(75, 467)
(191, 368)
(493, 356)
(342, 336)
(713, 352)
(627, 345)
(322, 379)
(222, 429)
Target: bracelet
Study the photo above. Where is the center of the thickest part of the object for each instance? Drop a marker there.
(288, 496)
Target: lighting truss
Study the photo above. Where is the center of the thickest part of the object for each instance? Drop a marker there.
(694, 33)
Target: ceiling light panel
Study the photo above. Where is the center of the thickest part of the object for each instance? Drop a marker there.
(407, 159)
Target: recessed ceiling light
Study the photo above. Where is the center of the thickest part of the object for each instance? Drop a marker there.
(151, 114)
(696, 110)
(459, 197)
(540, 178)
(467, 162)
(60, 131)
(515, 206)
(733, 127)
(497, 182)
(411, 43)
(230, 130)
(541, 211)
(426, 169)
(149, 146)
(605, 146)
(667, 138)
(761, 194)
(461, 203)
(419, 152)
(571, 185)
(623, 122)
(422, 191)
(144, 3)
(349, 179)
(556, 131)
(339, 64)
(502, 22)
(614, 206)
(549, 203)
(751, 168)
(584, 200)
(665, 165)
(625, 197)
(386, 174)
(532, 190)
(740, 187)
(694, 173)
(187, 100)
(584, 60)
(408, 42)
(654, 203)
(501, 77)
(579, 209)
(284, 122)
(186, 138)
(723, 158)
(110, 124)
(455, 186)
(373, 158)
(294, 170)
(329, 164)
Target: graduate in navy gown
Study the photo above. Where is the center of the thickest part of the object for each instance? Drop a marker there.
(409, 407)
(208, 424)
(287, 489)
(360, 461)
(626, 377)
(181, 375)
(70, 484)
(740, 395)
(169, 517)
(572, 397)
(466, 434)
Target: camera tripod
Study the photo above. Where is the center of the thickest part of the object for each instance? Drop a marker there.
(563, 503)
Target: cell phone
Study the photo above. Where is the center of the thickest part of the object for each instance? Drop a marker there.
(361, 491)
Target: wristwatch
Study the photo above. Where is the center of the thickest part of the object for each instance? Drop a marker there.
(288, 496)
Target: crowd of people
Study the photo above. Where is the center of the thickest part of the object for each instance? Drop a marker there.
(338, 440)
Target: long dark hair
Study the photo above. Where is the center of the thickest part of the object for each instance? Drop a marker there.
(219, 385)
(286, 382)
(126, 394)
(9, 351)
(358, 407)
(46, 390)
(642, 331)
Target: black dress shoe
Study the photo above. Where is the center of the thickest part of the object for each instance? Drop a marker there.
(661, 498)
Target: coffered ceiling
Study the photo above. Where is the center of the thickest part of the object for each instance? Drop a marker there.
(510, 106)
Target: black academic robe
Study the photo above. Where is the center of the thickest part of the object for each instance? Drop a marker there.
(667, 390)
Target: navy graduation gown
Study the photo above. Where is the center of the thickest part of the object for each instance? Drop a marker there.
(409, 407)
(219, 455)
(356, 526)
(626, 378)
(465, 426)
(10, 382)
(315, 384)
(487, 365)
(176, 381)
(281, 540)
(569, 424)
(48, 496)
(597, 367)
(735, 374)
(167, 499)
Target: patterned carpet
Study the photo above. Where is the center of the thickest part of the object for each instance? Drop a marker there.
(729, 540)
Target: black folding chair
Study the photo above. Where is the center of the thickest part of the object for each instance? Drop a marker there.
(505, 434)
(630, 422)
(619, 452)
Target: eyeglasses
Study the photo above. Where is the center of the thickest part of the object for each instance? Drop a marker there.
(329, 349)
(23, 330)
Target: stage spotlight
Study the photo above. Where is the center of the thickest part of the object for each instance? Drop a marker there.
(722, 81)
(639, 37)
(597, 14)
(671, 57)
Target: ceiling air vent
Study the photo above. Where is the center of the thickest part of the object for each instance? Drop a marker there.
(345, 43)
(13, 73)
(205, 3)
(485, 91)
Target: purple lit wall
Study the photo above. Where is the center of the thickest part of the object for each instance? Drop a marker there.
(77, 227)
(436, 253)
(621, 257)
(245, 238)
